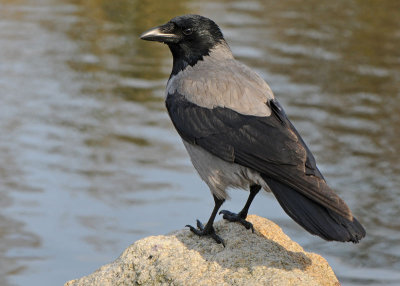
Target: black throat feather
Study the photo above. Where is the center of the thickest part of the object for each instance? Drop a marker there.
(186, 55)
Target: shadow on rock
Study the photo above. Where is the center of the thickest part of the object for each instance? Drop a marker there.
(268, 246)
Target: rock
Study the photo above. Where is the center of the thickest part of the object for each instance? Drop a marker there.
(267, 257)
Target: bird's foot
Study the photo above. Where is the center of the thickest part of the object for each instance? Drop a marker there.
(233, 217)
(206, 231)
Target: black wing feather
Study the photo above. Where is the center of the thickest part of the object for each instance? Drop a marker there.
(270, 145)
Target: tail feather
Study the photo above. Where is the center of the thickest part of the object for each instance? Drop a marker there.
(314, 217)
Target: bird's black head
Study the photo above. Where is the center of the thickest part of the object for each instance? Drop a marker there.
(189, 37)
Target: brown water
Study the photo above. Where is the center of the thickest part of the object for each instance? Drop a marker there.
(90, 161)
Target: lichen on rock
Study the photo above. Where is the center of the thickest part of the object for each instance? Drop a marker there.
(266, 257)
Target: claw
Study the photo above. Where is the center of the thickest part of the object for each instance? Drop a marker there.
(200, 225)
(218, 239)
(191, 228)
(232, 217)
(203, 231)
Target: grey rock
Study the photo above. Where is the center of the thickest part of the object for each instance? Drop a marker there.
(266, 257)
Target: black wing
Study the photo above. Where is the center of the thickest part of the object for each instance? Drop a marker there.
(270, 145)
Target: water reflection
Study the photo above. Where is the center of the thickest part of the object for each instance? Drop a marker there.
(90, 160)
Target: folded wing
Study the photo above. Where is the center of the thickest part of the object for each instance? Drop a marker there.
(270, 145)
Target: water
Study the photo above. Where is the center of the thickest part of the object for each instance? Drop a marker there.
(90, 161)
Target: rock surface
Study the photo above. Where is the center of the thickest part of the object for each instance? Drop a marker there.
(267, 257)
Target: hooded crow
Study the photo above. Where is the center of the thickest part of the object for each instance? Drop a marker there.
(238, 135)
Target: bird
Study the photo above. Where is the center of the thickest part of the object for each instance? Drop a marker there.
(238, 135)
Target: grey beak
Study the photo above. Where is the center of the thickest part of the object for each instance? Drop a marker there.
(160, 34)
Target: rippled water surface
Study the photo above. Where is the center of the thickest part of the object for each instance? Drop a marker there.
(89, 161)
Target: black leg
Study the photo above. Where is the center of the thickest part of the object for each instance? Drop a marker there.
(209, 230)
(241, 216)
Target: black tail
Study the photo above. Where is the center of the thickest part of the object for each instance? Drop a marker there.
(315, 218)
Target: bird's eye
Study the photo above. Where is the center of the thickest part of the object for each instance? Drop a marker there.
(187, 31)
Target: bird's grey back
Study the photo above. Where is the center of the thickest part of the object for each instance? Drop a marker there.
(220, 81)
